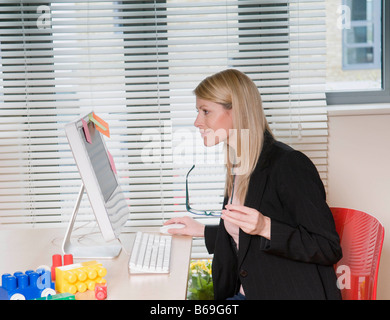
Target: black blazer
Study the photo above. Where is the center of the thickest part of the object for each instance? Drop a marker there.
(297, 263)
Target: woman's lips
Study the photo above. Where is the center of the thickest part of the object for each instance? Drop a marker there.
(204, 132)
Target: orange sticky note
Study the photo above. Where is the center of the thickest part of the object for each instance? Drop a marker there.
(100, 124)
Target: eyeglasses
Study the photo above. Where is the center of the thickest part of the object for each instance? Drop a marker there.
(195, 211)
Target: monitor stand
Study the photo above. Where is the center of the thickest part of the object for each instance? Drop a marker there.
(108, 250)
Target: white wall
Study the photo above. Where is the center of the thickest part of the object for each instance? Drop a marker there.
(359, 172)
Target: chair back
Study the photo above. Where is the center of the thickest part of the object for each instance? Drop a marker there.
(361, 239)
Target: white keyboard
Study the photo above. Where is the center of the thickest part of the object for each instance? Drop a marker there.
(151, 253)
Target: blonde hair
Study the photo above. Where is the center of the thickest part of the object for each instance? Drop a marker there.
(236, 91)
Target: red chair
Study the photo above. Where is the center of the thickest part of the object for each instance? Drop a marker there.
(361, 239)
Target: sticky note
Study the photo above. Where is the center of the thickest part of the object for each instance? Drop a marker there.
(100, 124)
(112, 163)
(86, 131)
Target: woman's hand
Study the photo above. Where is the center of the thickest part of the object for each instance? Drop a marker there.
(248, 219)
(192, 228)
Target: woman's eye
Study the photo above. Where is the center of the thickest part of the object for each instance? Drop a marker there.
(205, 111)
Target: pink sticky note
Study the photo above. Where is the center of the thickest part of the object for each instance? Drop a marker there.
(112, 163)
(86, 131)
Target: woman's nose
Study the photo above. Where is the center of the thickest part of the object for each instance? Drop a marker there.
(197, 122)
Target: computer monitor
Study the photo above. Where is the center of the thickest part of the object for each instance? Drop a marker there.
(99, 180)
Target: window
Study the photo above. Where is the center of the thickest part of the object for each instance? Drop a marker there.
(358, 40)
(362, 39)
(136, 63)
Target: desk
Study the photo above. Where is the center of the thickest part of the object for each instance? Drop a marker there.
(24, 249)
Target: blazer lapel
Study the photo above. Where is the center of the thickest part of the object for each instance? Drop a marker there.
(256, 189)
(253, 200)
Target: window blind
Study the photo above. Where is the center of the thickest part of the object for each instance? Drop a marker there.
(136, 63)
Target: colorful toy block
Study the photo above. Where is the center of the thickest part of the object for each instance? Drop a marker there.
(79, 277)
(60, 296)
(57, 262)
(101, 291)
(26, 286)
(87, 295)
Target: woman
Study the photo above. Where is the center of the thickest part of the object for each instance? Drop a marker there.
(276, 238)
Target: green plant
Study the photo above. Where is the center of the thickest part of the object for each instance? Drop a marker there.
(200, 286)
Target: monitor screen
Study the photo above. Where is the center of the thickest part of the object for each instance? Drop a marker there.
(100, 162)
